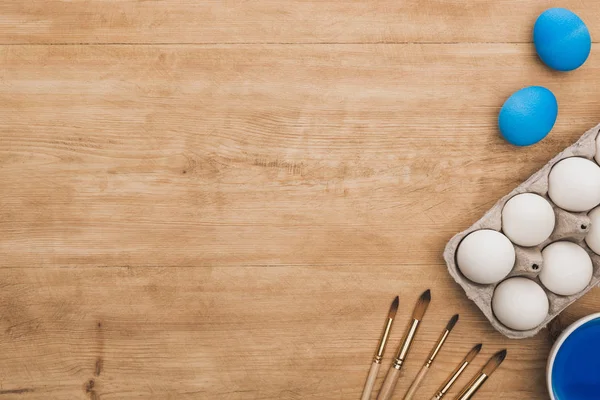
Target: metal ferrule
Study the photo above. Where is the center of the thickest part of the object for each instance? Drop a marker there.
(385, 335)
(437, 348)
(398, 363)
(406, 343)
(448, 384)
(473, 387)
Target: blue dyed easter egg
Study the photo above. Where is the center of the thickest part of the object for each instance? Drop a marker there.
(562, 40)
(528, 115)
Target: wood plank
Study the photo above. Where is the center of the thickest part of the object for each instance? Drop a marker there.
(256, 155)
(284, 332)
(271, 21)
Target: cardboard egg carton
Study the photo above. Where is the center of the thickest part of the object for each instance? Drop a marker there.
(529, 263)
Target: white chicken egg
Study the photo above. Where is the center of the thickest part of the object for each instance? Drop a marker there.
(593, 237)
(574, 184)
(485, 256)
(567, 268)
(528, 219)
(520, 304)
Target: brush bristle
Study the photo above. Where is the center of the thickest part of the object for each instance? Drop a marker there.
(394, 308)
(473, 353)
(422, 305)
(494, 362)
(452, 322)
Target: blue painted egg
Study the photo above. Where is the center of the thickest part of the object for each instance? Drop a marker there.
(562, 40)
(528, 115)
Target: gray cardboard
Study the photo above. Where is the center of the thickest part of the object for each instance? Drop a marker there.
(529, 263)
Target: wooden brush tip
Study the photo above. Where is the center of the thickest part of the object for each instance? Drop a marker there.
(452, 322)
(394, 308)
(494, 362)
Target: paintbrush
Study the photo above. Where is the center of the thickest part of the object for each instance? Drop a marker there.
(366, 395)
(487, 370)
(457, 373)
(389, 384)
(434, 352)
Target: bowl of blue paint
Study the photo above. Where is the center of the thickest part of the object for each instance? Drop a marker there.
(573, 371)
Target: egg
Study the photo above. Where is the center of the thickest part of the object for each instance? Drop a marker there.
(528, 115)
(561, 39)
(574, 184)
(520, 304)
(527, 219)
(485, 256)
(567, 268)
(593, 237)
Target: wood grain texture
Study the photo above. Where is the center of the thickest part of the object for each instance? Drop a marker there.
(281, 332)
(229, 155)
(195, 217)
(273, 21)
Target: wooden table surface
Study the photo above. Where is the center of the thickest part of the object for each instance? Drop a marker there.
(219, 199)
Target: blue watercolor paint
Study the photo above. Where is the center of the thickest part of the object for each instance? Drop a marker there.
(576, 368)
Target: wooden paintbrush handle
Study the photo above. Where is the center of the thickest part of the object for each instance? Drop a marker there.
(389, 384)
(416, 383)
(366, 395)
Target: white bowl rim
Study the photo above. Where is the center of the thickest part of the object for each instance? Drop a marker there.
(561, 339)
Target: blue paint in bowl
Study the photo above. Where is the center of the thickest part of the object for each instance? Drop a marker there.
(574, 365)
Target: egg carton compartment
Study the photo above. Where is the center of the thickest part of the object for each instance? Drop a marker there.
(569, 226)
